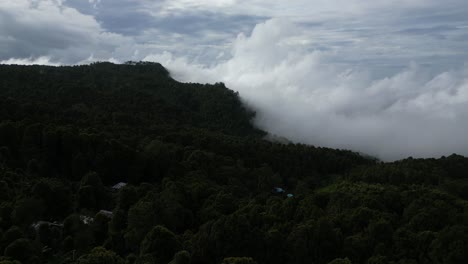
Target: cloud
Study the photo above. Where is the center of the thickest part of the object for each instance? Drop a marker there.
(302, 10)
(299, 94)
(32, 29)
(30, 61)
(385, 34)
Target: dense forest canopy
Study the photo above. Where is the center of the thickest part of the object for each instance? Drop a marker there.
(108, 163)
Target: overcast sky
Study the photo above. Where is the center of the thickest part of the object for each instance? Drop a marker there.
(388, 78)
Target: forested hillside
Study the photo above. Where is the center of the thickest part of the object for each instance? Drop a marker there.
(112, 164)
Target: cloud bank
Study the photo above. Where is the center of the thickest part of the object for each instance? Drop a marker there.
(48, 28)
(299, 94)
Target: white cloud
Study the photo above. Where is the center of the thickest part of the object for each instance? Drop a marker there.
(30, 61)
(299, 10)
(301, 95)
(35, 28)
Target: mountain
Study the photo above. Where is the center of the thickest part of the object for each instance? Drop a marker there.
(108, 163)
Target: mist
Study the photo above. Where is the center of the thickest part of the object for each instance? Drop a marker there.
(309, 96)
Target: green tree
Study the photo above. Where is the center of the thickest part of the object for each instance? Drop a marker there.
(21, 249)
(380, 231)
(340, 261)
(181, 257)
(91, 179)
(377, 260)
(100, 255)
(27, 211)
(238, 260)
(92, 194)
(9, 262)
(12, 234)
(128, 196)
(451, 245)
(82, 235)
(161, 243)
(141, 218)
(55, 196)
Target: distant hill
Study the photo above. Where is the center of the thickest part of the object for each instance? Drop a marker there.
(137, 95)
(107, 163)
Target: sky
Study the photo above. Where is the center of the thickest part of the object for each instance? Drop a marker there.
(385, 78)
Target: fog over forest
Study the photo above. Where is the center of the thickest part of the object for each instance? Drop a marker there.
(300, 95)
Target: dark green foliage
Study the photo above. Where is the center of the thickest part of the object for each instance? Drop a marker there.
(12, 234)
(55, 196)
(21, 249)
(141, 218)
(450, 245)
(238, 260)
(181, 257)
(27, 211)
(100, 255)
(80, 233)
(9, 262)
(377, 260)
(199, 180)
(128, 196)
(161, 244)
(91, 193)
(340, 261)
(100, 228)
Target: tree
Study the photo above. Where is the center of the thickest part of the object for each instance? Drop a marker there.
(181, 257)
(4, 190)
(158, 157)
(87, 197)
(128, 196)
(238, 260)
(91, 179)
(21, 249)
(100, 228)
(380, 231)
(266, 178)
(27, 211)
(300, 243)
(12, 234)
(377, 260)
(327, 240)
(92, 194)
(451, 245)
(9, 262)
(100, 255)
(141, 218)
(161, 243)
(340, 261)
(55, 195)
(83, 237)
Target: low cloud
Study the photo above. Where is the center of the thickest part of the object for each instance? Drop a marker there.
(304, 96)
(30, 61)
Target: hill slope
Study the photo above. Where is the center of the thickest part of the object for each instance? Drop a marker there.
(201, 181)
(139, 96)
